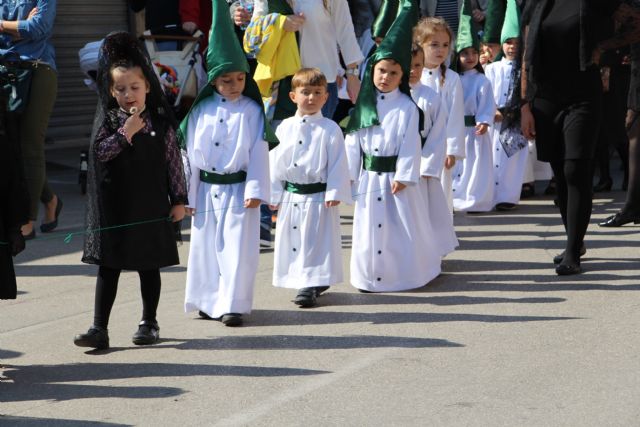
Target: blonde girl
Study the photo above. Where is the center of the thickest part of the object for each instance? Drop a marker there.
(435, 37)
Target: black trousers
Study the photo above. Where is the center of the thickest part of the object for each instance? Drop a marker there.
(566, 135)
(107, 288)
(632, 205)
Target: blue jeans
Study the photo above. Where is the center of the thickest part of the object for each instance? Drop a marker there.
(265, 217)
(332, 102)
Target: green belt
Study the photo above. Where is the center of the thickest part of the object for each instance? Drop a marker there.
(229, 178)
(316, 187)
(379, 163)
(469, 121)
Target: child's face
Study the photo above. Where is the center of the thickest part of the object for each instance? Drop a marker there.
(309, 99)
(468, 58)
(387, 75)
(129, 87)
(510, 49)
(436, 49)
(230, 85)
(417, 64)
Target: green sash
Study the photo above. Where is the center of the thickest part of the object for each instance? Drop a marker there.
(470, 121)
(316, 187)
(379, 163)
(217, 178)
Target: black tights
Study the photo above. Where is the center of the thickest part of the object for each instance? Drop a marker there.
(107, 287)
(573, 181)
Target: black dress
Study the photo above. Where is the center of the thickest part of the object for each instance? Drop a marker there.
(136, 184)
(14, 200)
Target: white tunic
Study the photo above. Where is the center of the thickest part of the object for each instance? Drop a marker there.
(433, 154)
(508, 172)
(453, 104)
(225, 137)
(473, 183)
(323, 32)
(392, 250)
(308, 240)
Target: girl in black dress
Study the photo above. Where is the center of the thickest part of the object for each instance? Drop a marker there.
(136, 186)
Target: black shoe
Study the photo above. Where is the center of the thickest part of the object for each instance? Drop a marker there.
(95, 337)
(320, 289)
(528, 190)
(603, 185)
(364, 291)
(620, 219)
(505, 206)
(204, 315)
(31, 235)
(265, 237)
(148, 333)
(558, 258)
(306, 298)
(568, 269)
(48, 227)
(231, 319)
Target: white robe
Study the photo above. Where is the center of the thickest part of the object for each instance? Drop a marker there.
(391, 248)
(431, 166)
(473, 183)
(225, 137)
(508, 171)
(308, 240)
(453, 104)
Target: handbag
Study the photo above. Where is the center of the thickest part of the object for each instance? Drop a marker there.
(15, 80)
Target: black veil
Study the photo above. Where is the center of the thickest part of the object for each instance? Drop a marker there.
(117, 47)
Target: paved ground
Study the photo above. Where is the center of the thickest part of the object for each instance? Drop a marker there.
(497, 340)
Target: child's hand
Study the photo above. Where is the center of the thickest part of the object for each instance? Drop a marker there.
(481, 128)
(293, 22)
(274, 207)
(133, 124)
(177, 212)
(396, 187)
(251, 203)
(449, 161)
(190, 211)
(32, 13)
(498, 116)
(331, 203)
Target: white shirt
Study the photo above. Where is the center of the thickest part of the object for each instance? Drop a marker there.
(323, 34)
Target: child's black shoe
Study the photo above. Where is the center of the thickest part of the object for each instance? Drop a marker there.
(306, 297)
(148, 333)
(95, 337)
(231, 319)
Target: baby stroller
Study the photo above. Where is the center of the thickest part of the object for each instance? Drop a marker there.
(180, 72)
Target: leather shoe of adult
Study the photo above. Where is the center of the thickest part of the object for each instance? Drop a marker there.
(568, 269)
(558, 258)
(620, 219)
(95, 337)
(231, 319)
(148, 333)
(48, 227)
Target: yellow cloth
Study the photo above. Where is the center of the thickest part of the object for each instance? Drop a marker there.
(278, 57)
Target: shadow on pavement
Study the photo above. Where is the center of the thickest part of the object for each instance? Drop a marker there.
(50, 422)
(311, 342)
(41, 382)
(349, 299)
(8, 354)
(261, 318)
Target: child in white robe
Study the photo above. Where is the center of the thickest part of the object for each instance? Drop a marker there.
(433, 155)
(228, 157)
(510, 169)
(391, 249)
(436, 39)
(473, 183)
(309, 179)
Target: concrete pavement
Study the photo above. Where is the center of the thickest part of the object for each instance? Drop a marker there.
(497, 340)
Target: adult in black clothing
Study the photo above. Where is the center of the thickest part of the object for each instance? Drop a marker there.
(14, 201)
(630, 212)
(562, 93)
(615, 84)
